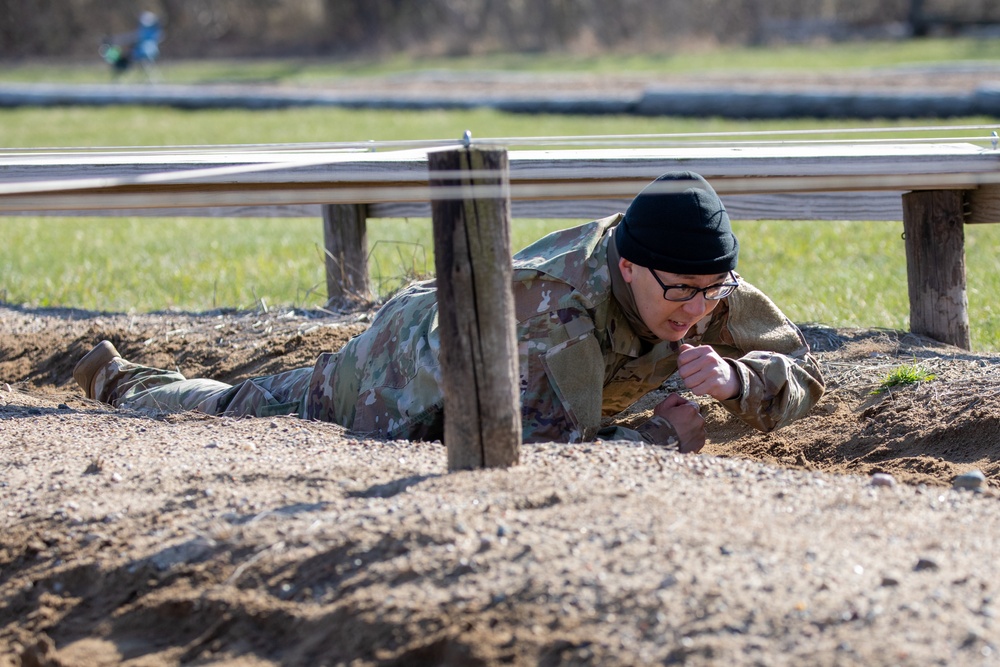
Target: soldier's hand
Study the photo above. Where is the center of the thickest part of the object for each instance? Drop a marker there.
(685, 417)
(706, 373)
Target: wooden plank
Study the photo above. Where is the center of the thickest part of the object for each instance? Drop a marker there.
(756, 161)
(224, 167)
(276, 211)
(793, 206)
(879, 205)
(112, 181)
(249, 166)
(479, 372)
(935, 262)
(196, 195)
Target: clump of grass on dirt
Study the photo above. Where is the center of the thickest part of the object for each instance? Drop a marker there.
(904, 375)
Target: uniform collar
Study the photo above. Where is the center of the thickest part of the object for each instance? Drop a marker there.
(622, 292)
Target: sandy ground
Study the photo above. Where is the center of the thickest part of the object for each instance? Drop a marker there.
(143, 538)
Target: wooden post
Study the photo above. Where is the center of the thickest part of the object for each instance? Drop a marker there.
(479, 370)
(345, 239)
(933, 222)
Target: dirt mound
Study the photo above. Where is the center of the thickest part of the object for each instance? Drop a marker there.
(159, 539)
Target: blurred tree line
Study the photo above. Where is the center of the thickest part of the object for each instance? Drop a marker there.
(241, 28)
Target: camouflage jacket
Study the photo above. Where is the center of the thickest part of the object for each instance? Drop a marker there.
(579, 358)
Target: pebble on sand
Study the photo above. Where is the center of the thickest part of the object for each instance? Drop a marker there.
(974, 480)
(883, 479)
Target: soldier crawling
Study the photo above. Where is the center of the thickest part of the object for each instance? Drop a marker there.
(606, 312)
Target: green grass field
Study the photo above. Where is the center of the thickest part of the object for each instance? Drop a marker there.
(835, 273)
(811, 57)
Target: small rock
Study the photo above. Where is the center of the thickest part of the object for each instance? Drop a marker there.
(974, 480)
(116, 477)
(194, 550)
(6, 387)
(890, 579)
(63, 406)
(925, 564)
(883, 479)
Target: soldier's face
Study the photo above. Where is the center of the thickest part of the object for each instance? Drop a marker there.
(669, 320)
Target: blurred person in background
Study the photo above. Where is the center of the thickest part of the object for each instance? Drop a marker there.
(141, 46)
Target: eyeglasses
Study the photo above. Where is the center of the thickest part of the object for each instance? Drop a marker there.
(688, 292)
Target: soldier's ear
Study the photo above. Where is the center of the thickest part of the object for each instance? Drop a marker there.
(627, 268)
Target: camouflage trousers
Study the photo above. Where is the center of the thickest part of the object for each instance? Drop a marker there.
(124, 384)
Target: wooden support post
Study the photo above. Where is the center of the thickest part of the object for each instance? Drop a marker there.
(345, 239)
(933, 222)
(479, 369)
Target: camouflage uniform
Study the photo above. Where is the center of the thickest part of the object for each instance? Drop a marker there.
(579, 359)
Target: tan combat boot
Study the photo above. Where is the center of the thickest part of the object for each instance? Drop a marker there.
(86, 369)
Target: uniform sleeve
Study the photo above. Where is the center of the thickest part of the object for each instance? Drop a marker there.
(780, 380)
(561, 375)
(656, 431)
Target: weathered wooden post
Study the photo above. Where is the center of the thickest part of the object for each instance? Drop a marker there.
(345, 240)
(933, 222)
(470, 205)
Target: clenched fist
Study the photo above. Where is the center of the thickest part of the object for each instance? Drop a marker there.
(706, 373)
(685, 417)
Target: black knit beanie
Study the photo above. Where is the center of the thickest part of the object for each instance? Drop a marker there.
(678, 224)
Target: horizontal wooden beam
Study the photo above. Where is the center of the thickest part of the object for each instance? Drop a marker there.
(794, 206)
(102, 170)
(836, 181)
